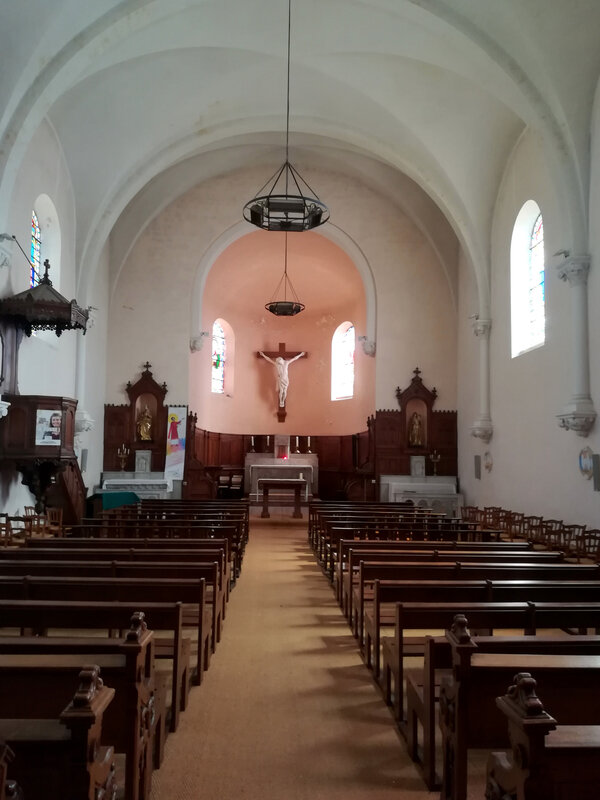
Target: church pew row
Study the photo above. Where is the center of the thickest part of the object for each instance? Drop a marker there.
(127, 665)
(99, 556)
(548, 760)
(172, 648)
(357, 584)
(389, 525)
(527, 617)
(422, 685)
(173, 531)
(65, 755)
(488, 569)
(405, 532)
(468, 717)
(139, 591)
(359, 545)
(132, 548)
(214, 597)
(322, 515)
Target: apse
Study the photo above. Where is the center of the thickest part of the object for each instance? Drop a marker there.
(241, 281)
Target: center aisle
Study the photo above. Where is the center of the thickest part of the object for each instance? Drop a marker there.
(287, 708)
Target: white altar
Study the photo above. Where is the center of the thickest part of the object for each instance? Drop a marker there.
(437, 492)
(296, 465)
(147, 485)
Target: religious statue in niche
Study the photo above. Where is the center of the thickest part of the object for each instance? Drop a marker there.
(144, 425)
(283, 381)
(415, 430)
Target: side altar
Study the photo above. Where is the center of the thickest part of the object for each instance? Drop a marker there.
(258, 466)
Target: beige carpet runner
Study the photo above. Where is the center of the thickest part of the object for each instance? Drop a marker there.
(287, 710)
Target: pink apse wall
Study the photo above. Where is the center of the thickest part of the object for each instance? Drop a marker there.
(242, 279)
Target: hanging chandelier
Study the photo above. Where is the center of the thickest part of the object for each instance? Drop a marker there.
(286, 202)
(285, 307)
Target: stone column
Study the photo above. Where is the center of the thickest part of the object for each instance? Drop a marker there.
(483, 428)
(578, 414)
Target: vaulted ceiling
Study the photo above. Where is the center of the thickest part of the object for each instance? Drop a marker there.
(431, 92)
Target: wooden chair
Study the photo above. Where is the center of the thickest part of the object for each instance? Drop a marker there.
(6, 532)
(54, 518)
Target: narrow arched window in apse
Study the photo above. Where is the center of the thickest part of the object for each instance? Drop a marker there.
(219, 354)
(36, 250)
(343, 345)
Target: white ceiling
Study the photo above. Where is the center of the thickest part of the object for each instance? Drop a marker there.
(435, 90)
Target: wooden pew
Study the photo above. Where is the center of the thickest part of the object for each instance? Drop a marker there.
(528, 617)
(548, 760)
(134, 546)
(468, 718)
(382, 611)
(480, 570)
(422, 686)
(373, 545)
(139, 591)
(164, 529)
(357, 583)
(136, 571)
(153, 565)
(64, 757)
(44, 617)
(27, 663)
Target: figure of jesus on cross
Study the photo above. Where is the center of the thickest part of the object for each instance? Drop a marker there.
(281, 360)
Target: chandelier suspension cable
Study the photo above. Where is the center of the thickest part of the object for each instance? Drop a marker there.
(287, 114)
(289, 203)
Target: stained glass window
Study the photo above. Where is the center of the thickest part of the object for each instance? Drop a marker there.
(218, 359)
(36, 249)
(536, 274)
(342, 362)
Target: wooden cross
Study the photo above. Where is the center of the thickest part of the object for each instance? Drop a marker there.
(286, 355)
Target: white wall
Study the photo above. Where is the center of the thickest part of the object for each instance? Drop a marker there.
(46, 362)
(535, 463)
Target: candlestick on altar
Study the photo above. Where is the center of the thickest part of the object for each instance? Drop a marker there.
(297, 450)
(122, 455)
(308, 450)
(435, 458)
(268, 442)
(251, 444)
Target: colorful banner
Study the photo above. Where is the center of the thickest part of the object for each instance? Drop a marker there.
(176, 427)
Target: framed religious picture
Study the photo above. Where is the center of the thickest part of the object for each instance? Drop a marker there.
(48, 427)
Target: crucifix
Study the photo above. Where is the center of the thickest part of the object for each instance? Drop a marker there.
(281, 359)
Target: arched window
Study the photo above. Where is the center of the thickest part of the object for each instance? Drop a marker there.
(219, 351)
(527, 279)
(342, 362)
(36, 250)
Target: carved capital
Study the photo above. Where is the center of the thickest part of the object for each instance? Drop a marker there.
(581, 423)
(482, 429)
(575, 270)
(369, 347)
(197, 342)
(482, 327)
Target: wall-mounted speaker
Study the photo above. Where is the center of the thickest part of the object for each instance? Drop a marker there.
(83, 460)
(596, 473)
(478, 467)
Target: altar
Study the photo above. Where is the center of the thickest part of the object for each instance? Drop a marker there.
(299, 466)
(146, 485)
(437, 492)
